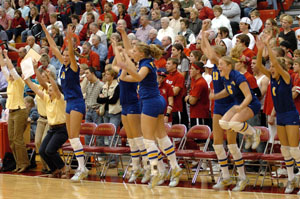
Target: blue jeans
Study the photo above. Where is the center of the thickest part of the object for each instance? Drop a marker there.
(25, 34)
(112, 118)
(54, 139)
(92, 116)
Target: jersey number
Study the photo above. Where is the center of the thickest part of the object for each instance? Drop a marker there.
(229, 89)
(215, 76)
(273, 91)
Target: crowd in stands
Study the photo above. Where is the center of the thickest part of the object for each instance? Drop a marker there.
(175, 27)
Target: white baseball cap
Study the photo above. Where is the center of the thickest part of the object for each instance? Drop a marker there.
(245, 20)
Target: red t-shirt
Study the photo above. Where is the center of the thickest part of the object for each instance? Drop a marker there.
(114, 16)
(296, 82)
(199, 89)
(176, 79)
(205, 13)
(268, 106)
(161, 63)
(251, 80)
(249, 53)
(92, 60)
(166, 91)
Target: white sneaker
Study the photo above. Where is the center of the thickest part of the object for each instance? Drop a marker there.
(154, 181)
(163, 177)
(290, 186)
(147, 176)
(135, 174)
(248, 142)
(222, 184)
(256, 139)
(280, 172)
(175, 177)
(80, 175)
(216, 168)
(11, 41)
(241, 184)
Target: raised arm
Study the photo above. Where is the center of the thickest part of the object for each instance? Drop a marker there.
(34, 88)
(125, 38)
(52, 44)
(3, 66)
(74, 65)
(11, 67)
(207, 49)
(260, 47)
(55, 88)
(39, 76)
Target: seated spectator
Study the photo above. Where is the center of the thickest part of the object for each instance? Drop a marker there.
(175, 21)
(177, 5)
(110, 55)
(155, 19)
(220, 20)
(288, 34)
(89, 57)
(134, 12)
(48, 4)
(165, 30)
(108, 26)
(32, 45)
(195, 22)
(24, 9)
(3, 86)
(94, 30)
(56, 35)
(45, 64)
(8, 9)
(204, 12)
(180, 39)
(107, 10)
(167, 45)
(153, 37)
(142, 33)
(243, 40)
(5, 19)
(18, 25)
(83, 34)
(122, 14)
(232, 11)
(79, 6)
(44, 15)
(244, 27)
(74, 35)
(100, 49)
(33, 19)
(76, 24)
(54, 22)
(247, 6)
(167, 7)
(187, 5)
(186, 32)
(64, 11)
(207, 23)
(156, 6)
(256, 22)
(89, 7)
(224, 40)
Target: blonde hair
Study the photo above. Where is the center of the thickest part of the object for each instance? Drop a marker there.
(281, 61)
(150, 50)
(182, 39)
(288, 18)
(236, 52)
(229, 61)
(255, 12)
(218, 9)
(297, 60)
(220, 50)
(297, 52)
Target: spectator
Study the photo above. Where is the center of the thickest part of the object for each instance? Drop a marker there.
(44, 15)
(108, 26)
(8, 9)
(24, 9)
(107, 10)
(153, 37)
(243, 40)
(165, 30)
(18, 25)
(167, 7)
(78, 6)
(33, 115)
(210, 32)
(195, 22)
(54, 22)
(89, 7)
(123, 15)
(22, 53)
(288, 34)
(134, 12)
(33, 19)
(156, 6)
(187, 5)
(142, 33)
(94, 30)
(83, 34)
(183, 65)
(247, 6)
(155, 19)
(224, 40)
(5, 19)
(245, 26)
(100, 49)
(32, 45)
(167, 45)
(48, 4)
(232, 11)
(177, 5)
(89, 57)
(77, 25)
(175, 21)
(220, 20)
(256, 22)
(56, 35)
(180, 39)
(45, 61)
(64, 11)
(74, 35)
(204, 12)
(186, 32)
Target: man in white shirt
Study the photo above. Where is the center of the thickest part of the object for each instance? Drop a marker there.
(166, 30)
(175, 22)
(96, 31)
(244, 27)
(89, 7)
(54, 22)
(24, 9)
(32, 45)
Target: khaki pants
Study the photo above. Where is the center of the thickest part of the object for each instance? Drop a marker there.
(17, 122)
(40, 133)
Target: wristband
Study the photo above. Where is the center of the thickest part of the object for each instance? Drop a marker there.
(167, 114)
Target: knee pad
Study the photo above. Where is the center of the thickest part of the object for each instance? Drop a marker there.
(224, 124)
(295, 153)
(285, 151)
(236, 126)
(234, 150)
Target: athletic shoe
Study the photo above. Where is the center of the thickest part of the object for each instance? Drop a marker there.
(175, 177)
(135, 174)
(290, 186)
(256, 139)
(147, 176)
(248, 142)
(154, 181)
(222, 184)
(80, 175)
(163, 177)
(216, 168)
(11, 41)
(241, 184)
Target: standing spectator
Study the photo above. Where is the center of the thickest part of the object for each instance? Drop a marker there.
(18, 25)
(89, 57)
(89, 7)
(24, 9)
(165, 30)
(155, 19)
(5, 19)
(32, 45)
(77, 25)
(33, 19)
(134, 12)
(195, 22)
(142, 33)
(288, 34)
(17, 119)
(245, 27)
(108, 26)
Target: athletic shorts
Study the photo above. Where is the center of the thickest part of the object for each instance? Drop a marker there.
(154, 106)
(131, 109)
(221, 109)
(255, 106)
(288, 118)
(76, 104)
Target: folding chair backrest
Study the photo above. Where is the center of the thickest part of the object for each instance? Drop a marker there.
(200, 132)
(106, 129)
(177, 133)
(87, 128)
(265, 134)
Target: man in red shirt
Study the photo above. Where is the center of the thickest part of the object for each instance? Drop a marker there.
(198, 96)
(89, 57)
(176, 80)
(107, 9)
(244, 41)
(167, 92)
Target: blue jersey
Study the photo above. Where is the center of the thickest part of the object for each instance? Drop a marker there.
(148, 87)
(128, 92)
(282, 95)
(232, 86)
(70, 83)
(219, 86)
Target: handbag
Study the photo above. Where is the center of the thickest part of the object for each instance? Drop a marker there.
(101, 110)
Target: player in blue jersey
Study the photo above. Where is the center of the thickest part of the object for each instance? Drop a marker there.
(131, 120)
(286, 113)
(221, 106)
(75, 109)
(153, 106)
